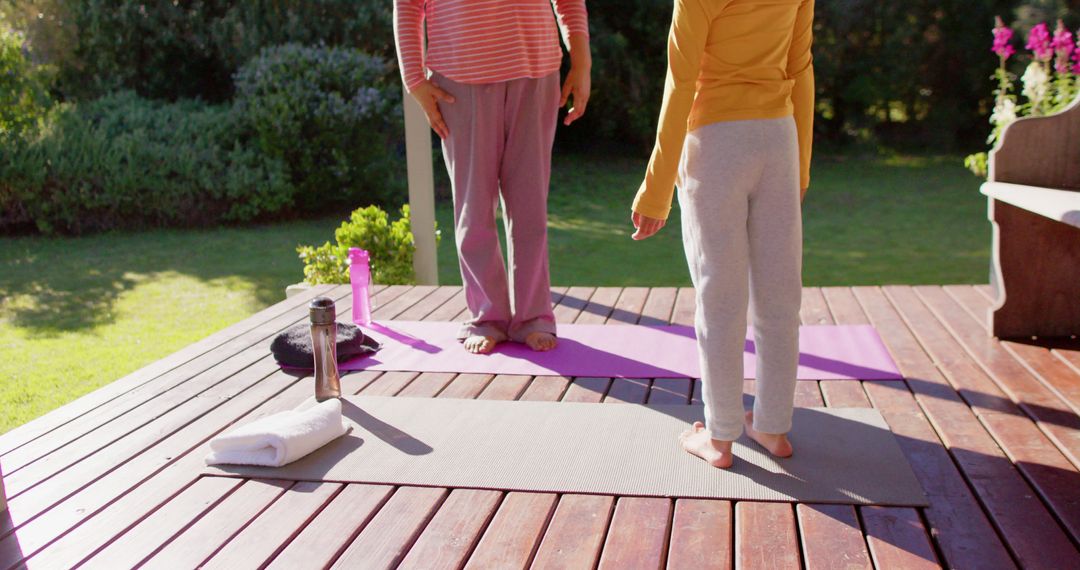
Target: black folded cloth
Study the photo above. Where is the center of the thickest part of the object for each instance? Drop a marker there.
(293, 347)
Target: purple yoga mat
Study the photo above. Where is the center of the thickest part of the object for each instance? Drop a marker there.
(621, 351)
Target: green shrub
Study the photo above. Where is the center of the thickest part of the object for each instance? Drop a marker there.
(24, 95)
(332, 116)
(125, 162)
(389, 245)
(187, 48)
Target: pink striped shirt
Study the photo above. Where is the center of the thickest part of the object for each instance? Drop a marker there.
(484, 41)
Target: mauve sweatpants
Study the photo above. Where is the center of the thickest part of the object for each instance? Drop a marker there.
(500, 147)
(742, 232)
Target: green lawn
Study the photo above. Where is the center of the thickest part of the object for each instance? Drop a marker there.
(78, 313)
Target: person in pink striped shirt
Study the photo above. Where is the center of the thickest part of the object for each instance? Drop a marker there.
(488, 81)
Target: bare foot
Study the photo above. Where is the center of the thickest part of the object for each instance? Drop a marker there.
(541, 341)
(477, 344)
(700, 443)
(775, 443)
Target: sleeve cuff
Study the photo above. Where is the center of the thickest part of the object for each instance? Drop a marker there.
(655, 211)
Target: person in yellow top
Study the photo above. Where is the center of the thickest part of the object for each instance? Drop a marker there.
(735, 136)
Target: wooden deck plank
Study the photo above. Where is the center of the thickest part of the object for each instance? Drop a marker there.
(844, 306)
(576, 532)
(205, 536)
(29, 497)
(961, 528)
(702, 535)
(685, 306)
(112, 501)
(115, 502)
(159, 527)
(572, 303)
(628, 391)
(389, 383)
(808, 394)
(162, 462)
(843, 394)
(505, 387)
(585, 389)
(59, 417)
(913, 537)
(467, 386)
(839, 304)
(428, 384)
(513, 536)
(600, 306)
(402, 303)
(452, 534)
(320, 542)
(670, 391)
(260, 541)
(1070, 355)
(546, 388)
(845, 309)
(428, 305)
(1060, 380)
(385, 540)
(450, 309)
(629, 306)
(989, 438)
(108, 519)
(1054, 373)
(832, 538)
(638, 535)
(1044, 388)
(109, 422)
(815, 309)
(897, 539)
(765, 536)
(522, 512)
(64, 470)
(658, 306)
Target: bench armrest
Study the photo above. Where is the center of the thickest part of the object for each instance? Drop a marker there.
(1058, 205)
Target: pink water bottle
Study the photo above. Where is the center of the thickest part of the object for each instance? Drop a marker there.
(360, 278)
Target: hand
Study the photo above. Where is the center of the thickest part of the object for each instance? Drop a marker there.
(428, 95)
(645, 226)
(579, 84)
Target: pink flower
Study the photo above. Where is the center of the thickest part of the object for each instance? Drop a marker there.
(1039, 42)
(1063, 47)
(1002, 37)
(1076, 54)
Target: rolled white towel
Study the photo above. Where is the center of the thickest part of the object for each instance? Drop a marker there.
(281, 438)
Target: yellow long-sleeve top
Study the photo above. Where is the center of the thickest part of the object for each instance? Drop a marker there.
(731, 60)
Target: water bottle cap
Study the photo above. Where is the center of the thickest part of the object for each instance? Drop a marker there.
(357, 253)
(321, 311)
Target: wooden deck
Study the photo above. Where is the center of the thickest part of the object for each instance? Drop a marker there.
(991, 430)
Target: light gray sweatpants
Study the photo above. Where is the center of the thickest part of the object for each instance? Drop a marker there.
(742, 232)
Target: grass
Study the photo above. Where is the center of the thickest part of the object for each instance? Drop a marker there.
(867, 221)
(78, 313)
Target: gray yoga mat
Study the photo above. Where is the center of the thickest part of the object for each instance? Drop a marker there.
(843, 455)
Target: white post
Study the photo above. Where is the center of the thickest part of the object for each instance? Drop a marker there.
(421, 191)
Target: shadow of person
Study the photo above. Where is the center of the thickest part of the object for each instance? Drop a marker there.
(406, 339)
(393, 436)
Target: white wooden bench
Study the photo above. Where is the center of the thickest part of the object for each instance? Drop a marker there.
(1034, 204)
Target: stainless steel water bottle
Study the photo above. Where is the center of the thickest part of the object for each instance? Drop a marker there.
(324, 347)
